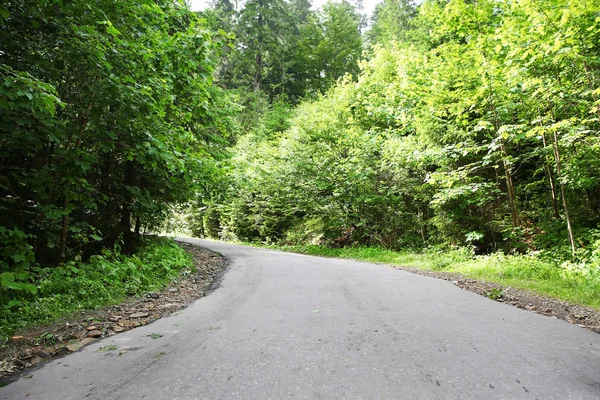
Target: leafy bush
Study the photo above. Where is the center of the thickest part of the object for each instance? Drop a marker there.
(104, 279)
(16, 258)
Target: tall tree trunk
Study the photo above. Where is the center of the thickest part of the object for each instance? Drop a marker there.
(550, 176)
(259, 60)
(104, 218)
(62, 247)
(125, 223)
(562, 193)
(510, 188)
(138, 225)
(258, 73)
(424, 217)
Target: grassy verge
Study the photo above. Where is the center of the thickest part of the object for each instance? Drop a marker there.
(103, 280)
(576, 285)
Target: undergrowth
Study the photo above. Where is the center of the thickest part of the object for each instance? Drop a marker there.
(105, 279)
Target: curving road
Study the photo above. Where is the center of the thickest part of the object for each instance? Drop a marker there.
(290, 326)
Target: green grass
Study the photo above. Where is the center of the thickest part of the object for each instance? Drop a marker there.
(576, 285)
(105, 279)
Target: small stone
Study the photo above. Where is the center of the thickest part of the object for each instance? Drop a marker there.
(43, 354)
(118, 328)
(169, 306)
(139, 315)
(36, 361)
(92, 328)
(27, 353)
(115, 318)
(74, 346)
(548, 310)
(79, 344)
(110, 332)
(94, 334)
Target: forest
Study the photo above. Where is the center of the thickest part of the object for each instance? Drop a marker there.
(467, 124)
(443, 126)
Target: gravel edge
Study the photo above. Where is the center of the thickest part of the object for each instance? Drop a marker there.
(29, 349)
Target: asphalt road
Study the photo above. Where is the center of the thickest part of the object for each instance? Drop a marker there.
(290, 326)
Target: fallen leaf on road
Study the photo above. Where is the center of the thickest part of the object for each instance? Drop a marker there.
(155, 335)
(104, 349)
(77, 345)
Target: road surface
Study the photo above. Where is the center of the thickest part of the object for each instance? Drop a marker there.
(287, 326)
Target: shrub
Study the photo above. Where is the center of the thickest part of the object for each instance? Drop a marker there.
(104, 279)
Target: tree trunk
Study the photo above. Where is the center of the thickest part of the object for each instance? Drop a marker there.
(562, 193)
(62, 247)
(424, 217)
(257, 75)
(550, 180)
(105, 220)
(125, 223)
(259, 60)
(138, 226)
(510, 189)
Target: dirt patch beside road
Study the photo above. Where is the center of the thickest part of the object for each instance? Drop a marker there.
(40, 344)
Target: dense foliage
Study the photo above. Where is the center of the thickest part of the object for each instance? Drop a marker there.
(284, 50)
(472, 124)
(108, 118)
(106, 278)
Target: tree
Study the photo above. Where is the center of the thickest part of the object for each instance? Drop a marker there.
(473, 124)
(391, 21)
(341, 46)
(109, 118)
